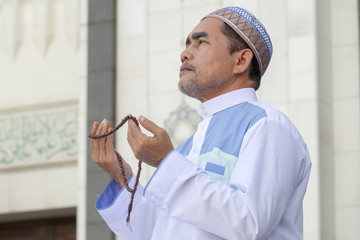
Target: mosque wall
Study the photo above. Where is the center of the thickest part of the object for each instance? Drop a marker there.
(39, 61)
(44, 163)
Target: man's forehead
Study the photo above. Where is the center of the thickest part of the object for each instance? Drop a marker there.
(207, 25)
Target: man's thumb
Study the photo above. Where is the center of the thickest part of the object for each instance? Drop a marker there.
(149, 125)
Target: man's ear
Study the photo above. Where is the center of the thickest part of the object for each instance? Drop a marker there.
(243, 61)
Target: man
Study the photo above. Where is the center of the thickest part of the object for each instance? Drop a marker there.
(244, 172)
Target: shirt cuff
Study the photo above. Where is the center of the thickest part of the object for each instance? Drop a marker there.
(165, 176)
(110, 193)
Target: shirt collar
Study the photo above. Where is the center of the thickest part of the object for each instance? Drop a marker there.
(226, 100)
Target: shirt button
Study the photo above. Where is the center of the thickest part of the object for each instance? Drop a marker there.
(204, 112)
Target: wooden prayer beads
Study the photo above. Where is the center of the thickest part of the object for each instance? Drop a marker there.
(121, 163)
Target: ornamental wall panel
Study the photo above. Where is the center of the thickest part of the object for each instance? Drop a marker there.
(38, 137)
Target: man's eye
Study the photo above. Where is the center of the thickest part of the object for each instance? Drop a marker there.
(201, 42)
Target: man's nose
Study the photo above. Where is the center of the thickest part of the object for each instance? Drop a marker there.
(186, 55)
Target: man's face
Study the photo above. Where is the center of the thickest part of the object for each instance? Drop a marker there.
(206, 69)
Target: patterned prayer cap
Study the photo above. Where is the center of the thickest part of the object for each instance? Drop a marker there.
(250, 29)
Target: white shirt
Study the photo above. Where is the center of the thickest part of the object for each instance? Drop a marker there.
(242, 175)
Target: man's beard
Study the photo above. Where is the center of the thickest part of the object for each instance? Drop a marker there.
(194, 89)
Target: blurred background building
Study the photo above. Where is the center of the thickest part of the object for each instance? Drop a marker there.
(67, 63)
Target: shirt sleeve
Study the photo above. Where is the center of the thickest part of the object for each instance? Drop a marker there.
(112, 205)
(271, 164)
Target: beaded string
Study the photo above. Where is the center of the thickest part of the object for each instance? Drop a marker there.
(121, 163)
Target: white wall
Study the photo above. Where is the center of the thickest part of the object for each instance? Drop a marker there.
(346, 138)
(39, 74)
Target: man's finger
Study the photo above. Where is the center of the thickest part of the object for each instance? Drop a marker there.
(96, 142)
(109, 143)
(134, 133)
(98, 130)
(94, 145)
(106, 126)
(94, 127)
(102, 142)
(134, 130)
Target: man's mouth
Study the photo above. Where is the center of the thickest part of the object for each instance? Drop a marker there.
(185, 68)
